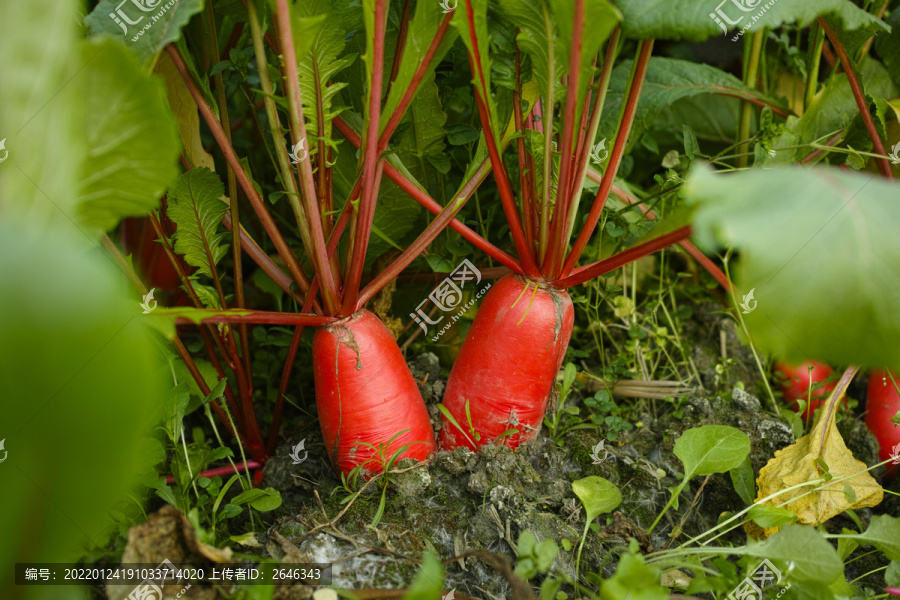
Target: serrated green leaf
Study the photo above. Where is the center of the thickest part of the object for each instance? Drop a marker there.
(195, 206)
(320, 28)
(144, 26)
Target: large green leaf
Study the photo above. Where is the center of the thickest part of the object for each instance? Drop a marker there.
(132, 139)
(195, 206)
(419, 35)
(94, 139)
(320, 28)
(144, 26)
(691, 20)
(818, 250)
(80, 390)
(668, 80)
(42, 135)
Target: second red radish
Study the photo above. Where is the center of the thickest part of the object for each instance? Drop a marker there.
(882, 405)
(365, 391)
(795, 381)
(506, 369)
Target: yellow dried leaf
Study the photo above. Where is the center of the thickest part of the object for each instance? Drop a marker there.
(797, 464)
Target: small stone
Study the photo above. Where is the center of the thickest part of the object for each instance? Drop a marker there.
(744, 401)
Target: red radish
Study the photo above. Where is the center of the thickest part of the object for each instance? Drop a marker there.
(507, 366)
(883, 403)
(795, 381)
(365, 392)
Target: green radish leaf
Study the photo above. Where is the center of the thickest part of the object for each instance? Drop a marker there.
(668, 80)
(420, 33)
(423, 137)
(633, 580)
(195, 206)
(461, 134)
(690, 20)
(479, 44)
(157, 23)
(43, 135)
(429, 581)
(526, 543)
(597, 494)
(743, 481)
(600, 18)
(766, 515)
(788, 222)
(81, 382)
(127, 143)
(539, 38)
(811, 556)
(711, 449)
(320, 29)
(230, 511)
